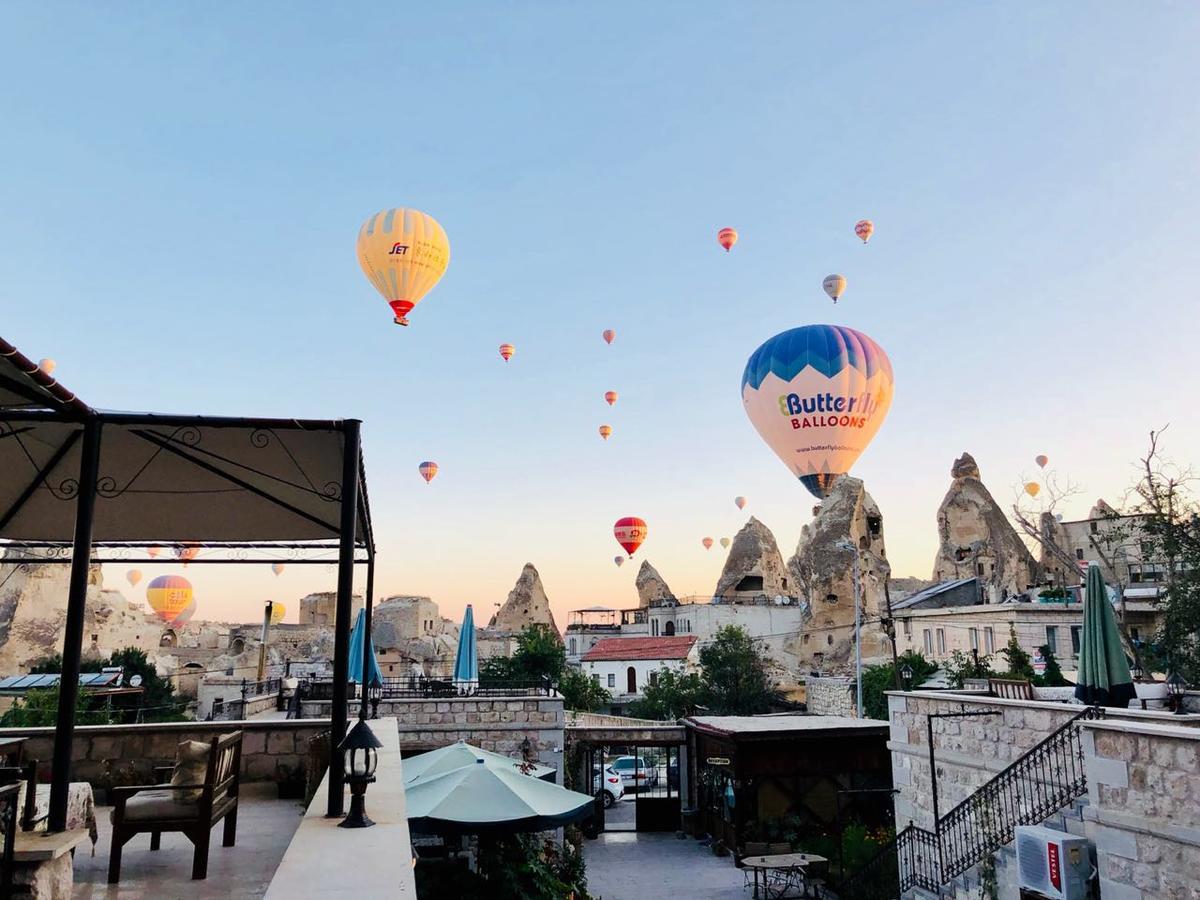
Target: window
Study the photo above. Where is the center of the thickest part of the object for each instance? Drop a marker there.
(1052, 638)
(829, 639)
(941, 641)
(654, 678)
(631, 680)
(989, 640)
(908, 628)
(572, 643)
(654, 627)
(596, 679)
(927, 640)
(1079, 553)
(874, 524)
(750, 583)
(612, 680)
(973, 633)
(1093, 527)
(804, 640)
(1076, 637)
(831, 598)
(669, 629)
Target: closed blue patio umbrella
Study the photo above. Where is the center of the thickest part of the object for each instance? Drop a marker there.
(358, 639)
(466, 660)
(1103, 678)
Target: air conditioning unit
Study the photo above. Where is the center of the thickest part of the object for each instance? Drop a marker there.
(1052, 863)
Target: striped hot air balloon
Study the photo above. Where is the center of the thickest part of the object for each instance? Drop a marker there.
(169, 595)
(507, 351)
(610, 397)
(630, 532)
(186, 616)
(609, 335)
(864, 228)
(403, 253)
(835, 286)
(605, 431)
(727, 237)
(428, 470)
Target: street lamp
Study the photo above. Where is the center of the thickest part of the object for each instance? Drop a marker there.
(360, 756)
(906, 676)
(850, 548)
(375, 694)
(1175, 689)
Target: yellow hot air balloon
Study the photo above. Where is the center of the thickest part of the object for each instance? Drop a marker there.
(725, 543)
(835, 286)
(278, 611)
(403, 253)
(605, 431)
(1032, 488)
(169, 595)
(133, 576)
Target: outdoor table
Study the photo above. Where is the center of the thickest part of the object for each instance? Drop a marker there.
(10, 750)
(81, 808)
(786, 862)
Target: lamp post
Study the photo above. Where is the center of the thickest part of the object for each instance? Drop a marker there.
(906, 676)
(375, 694)
(1175, 689)
(858, 697)
(360, 756)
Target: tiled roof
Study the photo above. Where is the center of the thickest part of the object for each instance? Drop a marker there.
(676, 647)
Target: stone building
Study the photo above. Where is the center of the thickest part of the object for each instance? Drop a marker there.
(321, 608)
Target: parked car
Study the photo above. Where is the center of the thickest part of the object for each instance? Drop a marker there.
(636, 772)
(606, 780)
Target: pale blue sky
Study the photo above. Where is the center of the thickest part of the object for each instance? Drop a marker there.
(181, 186)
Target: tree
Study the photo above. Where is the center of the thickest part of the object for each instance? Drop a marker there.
(734, 674)
(156, 703)
(539, 655)
(581, 693)
(967, 665)
(671, 695)
(39, 709)
(877, 679)
(1020, 665)
(1053, 676)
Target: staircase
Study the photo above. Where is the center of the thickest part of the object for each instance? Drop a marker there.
(1047, 778)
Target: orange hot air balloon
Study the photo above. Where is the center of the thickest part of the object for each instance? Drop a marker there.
(740, 502)
(619, 560)
(610, 397)
(864, 228)
(707, 542)
(605, 431)
(1032, 488)
(186, 552)
(727, 237)
(609, 335)
(47, 366)
(1041, 460)
(507, 351)
(277, 568)
(169, 595)
(133, 576)
(152, 552)
(428, 470)
(630, 532)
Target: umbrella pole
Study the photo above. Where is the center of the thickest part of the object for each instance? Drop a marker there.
(367, 646)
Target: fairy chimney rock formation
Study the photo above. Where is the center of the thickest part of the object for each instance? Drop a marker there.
(651, 587)
(976, 538)
(527, 604)
(847, 524)
(754, 567)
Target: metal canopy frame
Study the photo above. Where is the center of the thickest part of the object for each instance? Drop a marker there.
(30, 397)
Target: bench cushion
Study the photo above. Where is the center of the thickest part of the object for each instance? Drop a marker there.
(146, 806)
(191, 767)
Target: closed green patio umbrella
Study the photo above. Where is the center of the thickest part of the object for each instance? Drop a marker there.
(482, 799)
(1103, 678)
(455, 756)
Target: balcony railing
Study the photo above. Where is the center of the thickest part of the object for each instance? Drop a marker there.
(427, 686)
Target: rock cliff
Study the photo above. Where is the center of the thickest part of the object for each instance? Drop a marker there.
(651, 586)
(527, 604)
(754, 566)
(976, 537)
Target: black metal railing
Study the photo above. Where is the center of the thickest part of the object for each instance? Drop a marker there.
(425, 687)
(1043, 780)
(267, 687)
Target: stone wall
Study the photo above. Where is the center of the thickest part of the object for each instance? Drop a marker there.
(830, 696)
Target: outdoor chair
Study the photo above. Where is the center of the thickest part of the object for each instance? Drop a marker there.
(1011, 689)
(166, 807)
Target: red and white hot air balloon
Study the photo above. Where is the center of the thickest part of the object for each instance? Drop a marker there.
(864, 228)
(630, 532)
(608, 335)
(740, 502)
(277, 568)
(605, 431)
(727, 237)
(610, 397)
(507, 351)
(707, 542)
(428, 470)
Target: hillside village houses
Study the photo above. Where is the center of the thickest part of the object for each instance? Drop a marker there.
(625, 665)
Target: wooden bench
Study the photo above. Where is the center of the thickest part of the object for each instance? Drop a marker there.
(1011, 688)
(158, 810)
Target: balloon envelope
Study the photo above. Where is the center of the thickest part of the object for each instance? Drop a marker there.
(277, 568)
(1041, 460)
(817, 395)
(605, 431)
(707, 542)
(428, 469)
(186, 616)
(187, 551)
(152, 552)
(727, 237)
(864, 228)
(608, 335)
(133, 576)
(740, 501)
(725, 543)
(169, 595)
(610, 397)
(403, 253)
(619, 560)
(278, 611)
(834, 285)
(47, 365)
(630, 532)
(1032, 488)
(507, 351)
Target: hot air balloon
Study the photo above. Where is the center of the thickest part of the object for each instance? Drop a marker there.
(707, 542)
(1032, 488)
(169, 595)
(1041, 460)
(864, 228)
(277, 568)
(133, 576)
(725, 543)
(186, 616)
(605, 431)
(834, 285)
(619, 560)
(403, 253)
(428, 469)
(152, 552)
(47, 366)
(817, 395)
(278, 611)
(186, 552)
(630, 532)
(740, 501)
(609, 335)
(610, 397)
(727, 237)
(507, 351)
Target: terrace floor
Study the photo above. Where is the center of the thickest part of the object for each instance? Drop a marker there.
(265, 828)
(633, 866)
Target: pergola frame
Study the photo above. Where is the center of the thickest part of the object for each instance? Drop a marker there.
(33, 398)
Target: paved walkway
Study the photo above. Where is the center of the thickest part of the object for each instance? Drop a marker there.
(632, 866)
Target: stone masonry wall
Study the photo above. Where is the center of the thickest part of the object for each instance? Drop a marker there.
(830, 696)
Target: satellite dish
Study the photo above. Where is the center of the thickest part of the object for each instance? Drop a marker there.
(135, 681)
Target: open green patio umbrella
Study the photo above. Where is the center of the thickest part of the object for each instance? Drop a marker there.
(455, 756)
(1103, 678)
(482, 799)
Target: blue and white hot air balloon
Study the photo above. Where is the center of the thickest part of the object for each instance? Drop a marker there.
(817, 395)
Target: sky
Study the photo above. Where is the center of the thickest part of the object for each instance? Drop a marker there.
(181, 188)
